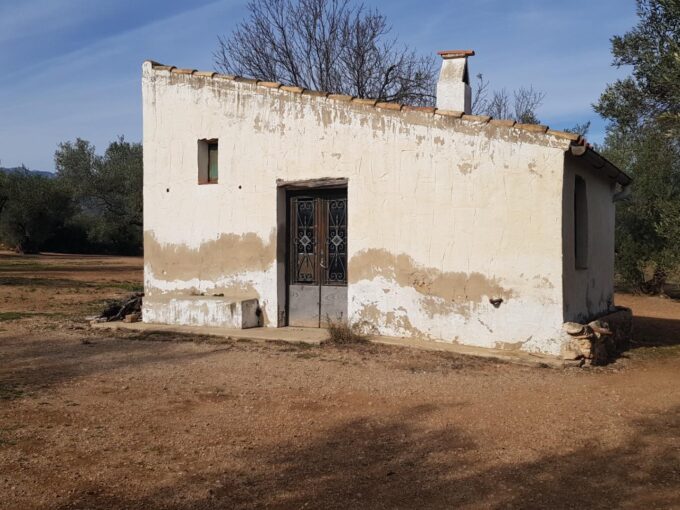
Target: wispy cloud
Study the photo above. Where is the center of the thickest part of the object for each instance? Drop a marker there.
(94, 91)
(33, 18)
(76, 71)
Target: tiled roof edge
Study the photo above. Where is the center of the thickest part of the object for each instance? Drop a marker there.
(574, 138)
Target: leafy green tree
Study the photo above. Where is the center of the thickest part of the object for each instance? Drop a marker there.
(4, 191)
(643, 138)
(34, 207)
(648, 224)
(652, 93)
(107, 190)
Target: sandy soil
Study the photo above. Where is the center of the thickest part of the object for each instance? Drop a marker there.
(93, 419)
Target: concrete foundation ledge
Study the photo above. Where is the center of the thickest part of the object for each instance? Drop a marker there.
(315, 336)
(217, 311)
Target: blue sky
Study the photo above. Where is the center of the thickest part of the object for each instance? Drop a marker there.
(71, 68)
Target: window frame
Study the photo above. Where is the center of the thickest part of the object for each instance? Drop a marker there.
(581, 223)
(205, 147)
(213, 146)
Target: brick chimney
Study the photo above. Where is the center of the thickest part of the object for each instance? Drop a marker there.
(453, 87)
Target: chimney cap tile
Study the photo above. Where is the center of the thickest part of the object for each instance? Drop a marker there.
(446, 54)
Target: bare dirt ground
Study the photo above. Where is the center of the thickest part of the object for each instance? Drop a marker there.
(94, 419)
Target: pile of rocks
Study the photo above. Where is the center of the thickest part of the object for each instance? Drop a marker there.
(599, 341)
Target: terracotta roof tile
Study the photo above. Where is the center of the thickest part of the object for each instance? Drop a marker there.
(574, 137)
(389, 106)
(535, 128)
(369, 102)
(448, 113)
(316, 93)
(270, 84)
(424, 109)
(242, 79)
(293, 89)
(502, 122)
(477, 118)
(456, 53)
(340, 97)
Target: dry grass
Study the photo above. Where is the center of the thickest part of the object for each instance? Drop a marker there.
(344, 333)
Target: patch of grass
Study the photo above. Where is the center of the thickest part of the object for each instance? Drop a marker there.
(22, 266)
(307, 355)
(129, 286)
(9, 391)
(287, 346)
(3, 440)
(17, 281)
(126, 286)
(96, 306)
(344, 333)
(13, 316)
(654, 352)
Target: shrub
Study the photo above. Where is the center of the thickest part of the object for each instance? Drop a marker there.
(344, 333)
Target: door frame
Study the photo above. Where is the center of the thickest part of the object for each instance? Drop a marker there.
(286, 190)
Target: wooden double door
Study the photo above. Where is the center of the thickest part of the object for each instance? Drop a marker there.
(317, 257)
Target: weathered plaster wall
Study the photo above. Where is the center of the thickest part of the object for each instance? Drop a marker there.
(589, 292)
(444, 213)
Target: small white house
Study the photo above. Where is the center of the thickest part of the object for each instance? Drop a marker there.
(270, 205)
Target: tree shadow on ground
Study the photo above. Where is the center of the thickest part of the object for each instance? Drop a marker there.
(655, 332)
(672, 290)
(27, 281)
(401, 462)
(99, 268)
(49, 362)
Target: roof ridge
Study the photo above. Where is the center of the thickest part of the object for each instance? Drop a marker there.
(375, 103)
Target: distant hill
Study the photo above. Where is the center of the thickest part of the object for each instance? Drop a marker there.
(19, 169)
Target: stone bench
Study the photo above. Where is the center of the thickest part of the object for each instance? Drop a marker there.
(219, 311)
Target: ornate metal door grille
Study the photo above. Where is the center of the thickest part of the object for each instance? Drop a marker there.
(306, 252)
(319, 240)
(336, 254)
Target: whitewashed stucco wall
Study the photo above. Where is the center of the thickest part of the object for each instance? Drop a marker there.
(444, 214)
(589, 292)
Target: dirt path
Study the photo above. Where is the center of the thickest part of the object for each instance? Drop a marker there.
(120, 420)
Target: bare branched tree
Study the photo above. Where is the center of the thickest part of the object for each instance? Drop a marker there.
(499, 105)
(527, 101)
(330, 45)
(579, 129)
(480, 101)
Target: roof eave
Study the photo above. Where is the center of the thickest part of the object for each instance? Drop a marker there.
(600, 163)
(550, 137)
